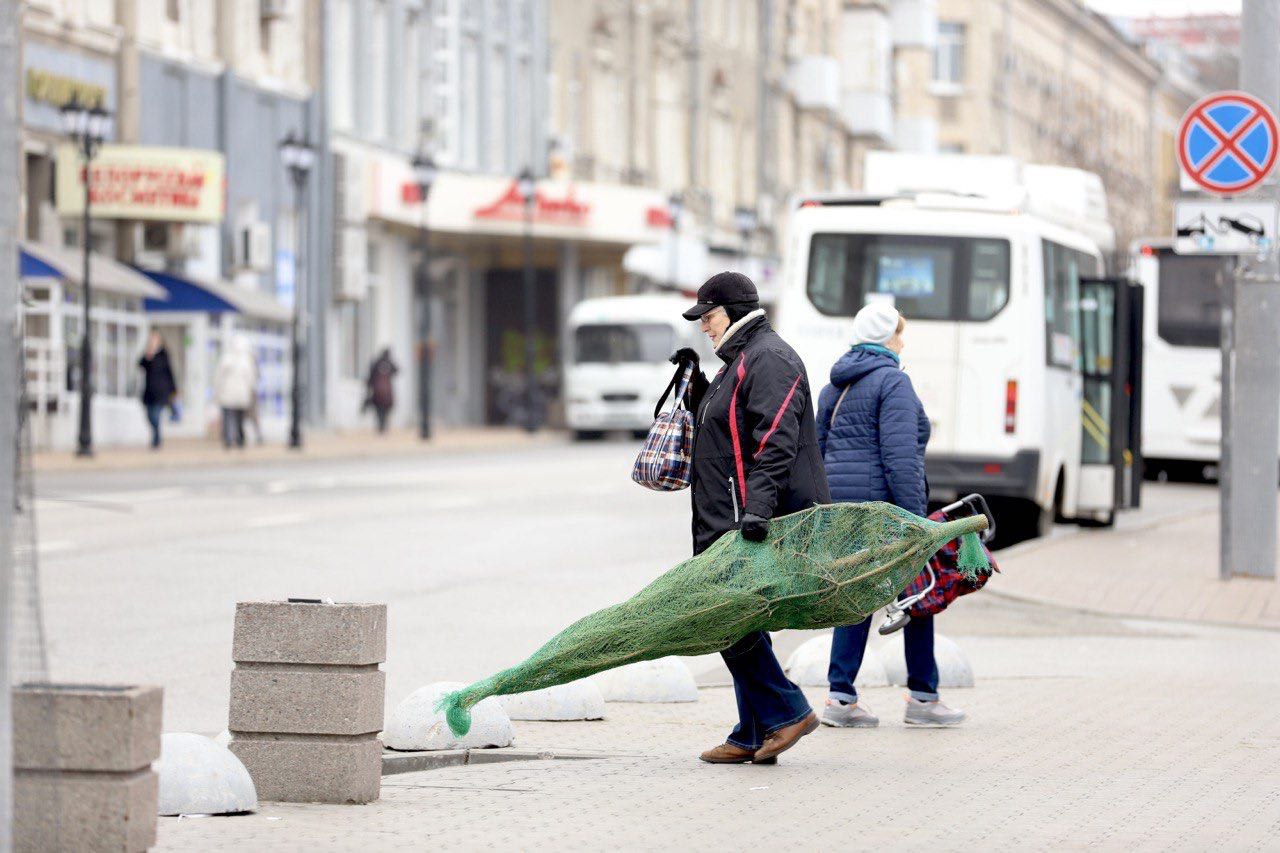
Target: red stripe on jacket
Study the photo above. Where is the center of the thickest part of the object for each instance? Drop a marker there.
(733, 432)
(777, 419)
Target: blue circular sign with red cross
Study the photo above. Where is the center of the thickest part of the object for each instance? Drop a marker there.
(1227, 142)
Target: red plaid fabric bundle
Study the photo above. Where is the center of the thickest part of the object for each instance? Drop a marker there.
(666, 458)
(951, 583)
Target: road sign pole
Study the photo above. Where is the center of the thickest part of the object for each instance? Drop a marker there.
(1251, 353)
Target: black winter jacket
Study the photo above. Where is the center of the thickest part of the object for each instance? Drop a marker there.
(755, 448)
(158, 387)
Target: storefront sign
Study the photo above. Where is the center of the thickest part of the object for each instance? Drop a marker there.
(566, 210)
(141, 182)
(52, 78)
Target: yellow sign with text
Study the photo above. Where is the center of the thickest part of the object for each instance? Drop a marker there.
(144, 182)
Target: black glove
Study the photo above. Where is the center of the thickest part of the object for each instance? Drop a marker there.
(754, 528)
(684, 355)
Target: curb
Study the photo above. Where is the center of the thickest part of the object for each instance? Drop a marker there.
(394, 763)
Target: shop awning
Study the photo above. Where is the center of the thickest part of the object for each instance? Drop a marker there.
(41, 260)
(214, 297)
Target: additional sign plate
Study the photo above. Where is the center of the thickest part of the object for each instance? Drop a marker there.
(1225, 227)
(1227, 143)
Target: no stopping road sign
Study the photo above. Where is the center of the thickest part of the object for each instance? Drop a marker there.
(1227, 142)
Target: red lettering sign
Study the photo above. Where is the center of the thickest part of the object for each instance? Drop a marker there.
(554, 211)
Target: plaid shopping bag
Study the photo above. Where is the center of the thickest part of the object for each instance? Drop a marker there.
(664, 461)
(951, 583)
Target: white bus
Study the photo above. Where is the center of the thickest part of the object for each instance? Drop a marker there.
(1181, 403)
(1011, 330)
(616, 360)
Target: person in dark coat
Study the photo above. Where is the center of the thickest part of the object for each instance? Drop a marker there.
(380, 391)
(872, 431)
(158, 387)
(755, 457)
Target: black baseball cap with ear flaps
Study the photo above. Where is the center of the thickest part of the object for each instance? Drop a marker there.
(723, 288)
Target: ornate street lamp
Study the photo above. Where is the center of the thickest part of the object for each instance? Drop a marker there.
(675, 206)
(527, 188)
(424, 175)
(87, 127)
(744, 219)
(298, 157)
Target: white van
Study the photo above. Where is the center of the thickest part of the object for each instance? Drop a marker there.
(1011, 337)
(616, 363)
(1182, 389)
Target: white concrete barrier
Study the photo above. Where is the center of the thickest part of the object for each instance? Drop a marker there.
(953, 664)
(416, 724)
(808, 665)
(578, 700)
(200, 776)
(662, 680)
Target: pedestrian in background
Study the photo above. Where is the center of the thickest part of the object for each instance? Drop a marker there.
(235, 386)
(159, 389)
(872, 430)
(380, 390)
(755, 456)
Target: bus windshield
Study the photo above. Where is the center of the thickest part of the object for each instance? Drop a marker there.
(618, 343)
(1190, 306)
(929, 278)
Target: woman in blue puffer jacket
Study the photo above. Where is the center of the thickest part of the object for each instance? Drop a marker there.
(872, 432)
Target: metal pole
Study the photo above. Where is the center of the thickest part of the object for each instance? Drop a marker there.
(295, 356)
(84, 443)
(1251, 429)
(673, 269)
(10, 140)
(424, 331)
(530, 320)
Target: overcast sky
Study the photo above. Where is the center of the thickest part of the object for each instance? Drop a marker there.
(1164, 7)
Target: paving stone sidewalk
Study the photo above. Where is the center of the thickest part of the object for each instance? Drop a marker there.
(1085, 732)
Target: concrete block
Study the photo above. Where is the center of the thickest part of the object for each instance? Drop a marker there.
(317, 769)
(310, 700)
(808, 665)
(201, 776)
(84, 811)
(663, 680)
(578, 700)
(86, 727)
(953, 664)
(282, 632)
(415, 724)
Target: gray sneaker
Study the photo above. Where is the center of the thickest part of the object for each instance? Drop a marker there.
(848, 716)
(934, 714)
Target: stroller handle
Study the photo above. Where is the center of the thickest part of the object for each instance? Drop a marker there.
(974, 504)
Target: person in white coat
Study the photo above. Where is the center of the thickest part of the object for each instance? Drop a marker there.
(235, 386)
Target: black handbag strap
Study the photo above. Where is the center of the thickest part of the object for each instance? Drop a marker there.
(684, 372)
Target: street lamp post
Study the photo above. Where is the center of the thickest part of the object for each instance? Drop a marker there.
(744, 219)
(88, 127)
(424, 174)
(298, 157)
(527, 189)
(675, 206)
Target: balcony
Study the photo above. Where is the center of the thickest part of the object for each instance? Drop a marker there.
(814, 81)
(868, 114)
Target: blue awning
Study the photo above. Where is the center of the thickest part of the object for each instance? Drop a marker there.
(213, 297)
(45, 260)
(29, 266)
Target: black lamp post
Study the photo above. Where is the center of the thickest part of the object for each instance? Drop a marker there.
(298, 157)
(88, 127)
(744, 219)
(424, 175)
(675, 206)
(528, 192)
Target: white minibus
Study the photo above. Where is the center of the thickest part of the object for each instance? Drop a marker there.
(1014, 343)
(616, 363)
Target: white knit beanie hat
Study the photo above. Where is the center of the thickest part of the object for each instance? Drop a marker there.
(875, 323)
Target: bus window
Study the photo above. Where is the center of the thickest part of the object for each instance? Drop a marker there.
(1189, 310)
(1062, 270)
(645, 343)
(929, 278)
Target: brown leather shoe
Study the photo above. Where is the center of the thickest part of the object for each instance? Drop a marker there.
(727, 753)
(785, 738)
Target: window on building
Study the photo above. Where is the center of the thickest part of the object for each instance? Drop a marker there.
(340, 55)
(469, 102)
(377, 59)
(173, 10)
(411, 116)
(498, 132)
(948, 54)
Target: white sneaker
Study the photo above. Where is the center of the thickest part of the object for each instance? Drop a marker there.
(852, 716)
(933, 714)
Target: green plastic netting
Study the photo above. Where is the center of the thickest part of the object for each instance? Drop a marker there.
(821, 567)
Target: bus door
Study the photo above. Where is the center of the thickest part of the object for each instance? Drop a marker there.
(1111, 407)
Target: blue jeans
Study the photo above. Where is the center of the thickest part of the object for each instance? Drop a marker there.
(850, 642)
(155, 412)
(767, 700)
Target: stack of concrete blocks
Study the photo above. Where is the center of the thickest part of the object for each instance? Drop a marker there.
(307, 699)
(82, 767)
